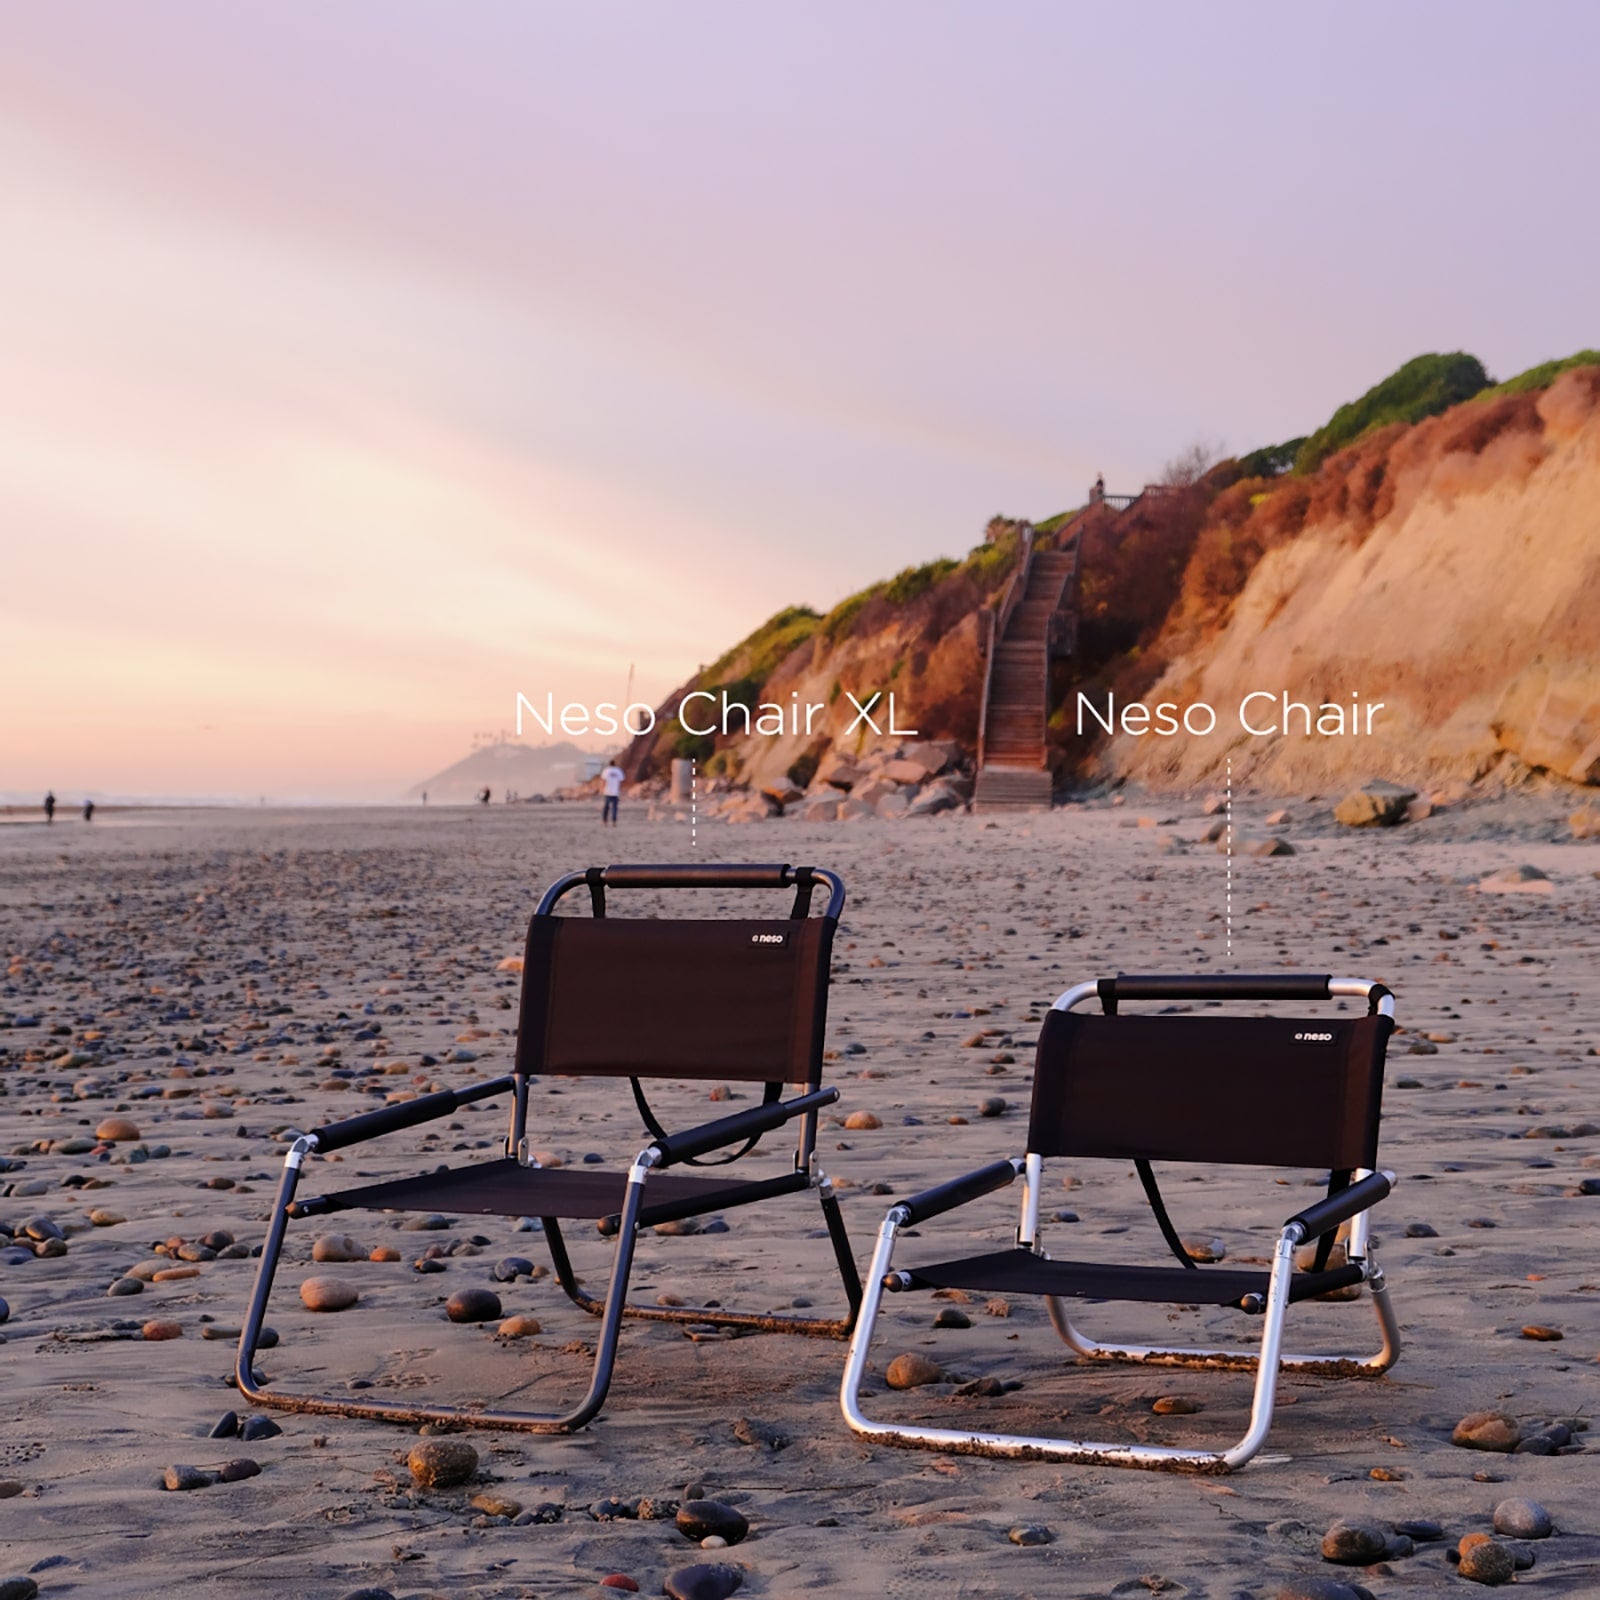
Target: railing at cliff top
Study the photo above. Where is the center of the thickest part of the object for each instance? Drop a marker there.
(999, 619)
(1122, 502)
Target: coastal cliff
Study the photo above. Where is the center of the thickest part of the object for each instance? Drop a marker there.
(1433, 551)
(1449, 569)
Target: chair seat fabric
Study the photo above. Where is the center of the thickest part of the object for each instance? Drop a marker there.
(507, 1189)
(1022, 1272)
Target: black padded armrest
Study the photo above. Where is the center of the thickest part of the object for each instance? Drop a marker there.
(958, 1191)
(1216, 986)
(408, 1114)
(740, 1126)
(1327, 1214)
(698, 875)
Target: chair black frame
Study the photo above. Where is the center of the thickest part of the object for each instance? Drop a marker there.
(620, 1212)
(1029, 1269)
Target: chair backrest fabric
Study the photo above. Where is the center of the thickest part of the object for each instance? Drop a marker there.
(666, 998)
(1262, 1091)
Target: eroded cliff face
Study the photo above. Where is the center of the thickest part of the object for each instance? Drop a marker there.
(1449, 570)
(918, 637)
(936, 685)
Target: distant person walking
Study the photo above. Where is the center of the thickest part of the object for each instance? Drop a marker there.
(612, 778)
(50, 806)
(1098, 493)
(88, 810)
(483, 798)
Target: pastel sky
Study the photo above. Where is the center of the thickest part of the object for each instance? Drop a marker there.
(362, 365)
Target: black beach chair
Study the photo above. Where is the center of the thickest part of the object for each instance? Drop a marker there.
(1259, 1091)
(625, 997)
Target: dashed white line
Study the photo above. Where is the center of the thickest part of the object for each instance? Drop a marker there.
(1228, 830)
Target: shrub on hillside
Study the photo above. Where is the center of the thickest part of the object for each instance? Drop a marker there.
(758, 654)
(1133, 565)
(1271, 460)
(1543, 375)
(1423, 387)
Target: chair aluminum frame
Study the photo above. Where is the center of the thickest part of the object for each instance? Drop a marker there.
(1265, 1363)
(632, 1215)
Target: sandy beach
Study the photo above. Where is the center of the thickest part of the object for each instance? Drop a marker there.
(218, 978)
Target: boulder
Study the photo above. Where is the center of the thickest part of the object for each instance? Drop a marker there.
(1273, 846)
(935, 798)
(932, 755)
(1516, 880)
(852, 810)
(901, 770)
(841, 775)
(1378, 804)
(783, 793)
(820, 808)
(893, 806)
(873, 789)
(1552, 722)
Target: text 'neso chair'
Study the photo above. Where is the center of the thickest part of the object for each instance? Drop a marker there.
(621, 997)
(1247, 1090)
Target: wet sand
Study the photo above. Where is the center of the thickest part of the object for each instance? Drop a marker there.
(209, 975)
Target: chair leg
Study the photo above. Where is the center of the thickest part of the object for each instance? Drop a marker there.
(1239, 1360)
(842, 1253)
(383, 1411)
(1025, 1447)
(714, 1316)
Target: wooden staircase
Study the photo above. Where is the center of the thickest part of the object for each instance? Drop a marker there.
(1012, 773)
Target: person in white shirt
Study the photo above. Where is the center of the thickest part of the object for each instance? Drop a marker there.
(612, 779)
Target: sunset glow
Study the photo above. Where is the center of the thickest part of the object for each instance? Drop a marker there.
(365, 367)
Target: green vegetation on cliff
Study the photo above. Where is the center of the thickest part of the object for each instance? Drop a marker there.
(984, 565)
(757, 655)
(917, 607)
(1271, 460)
(740, 673)
(1543, 375)
(1423, 387)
